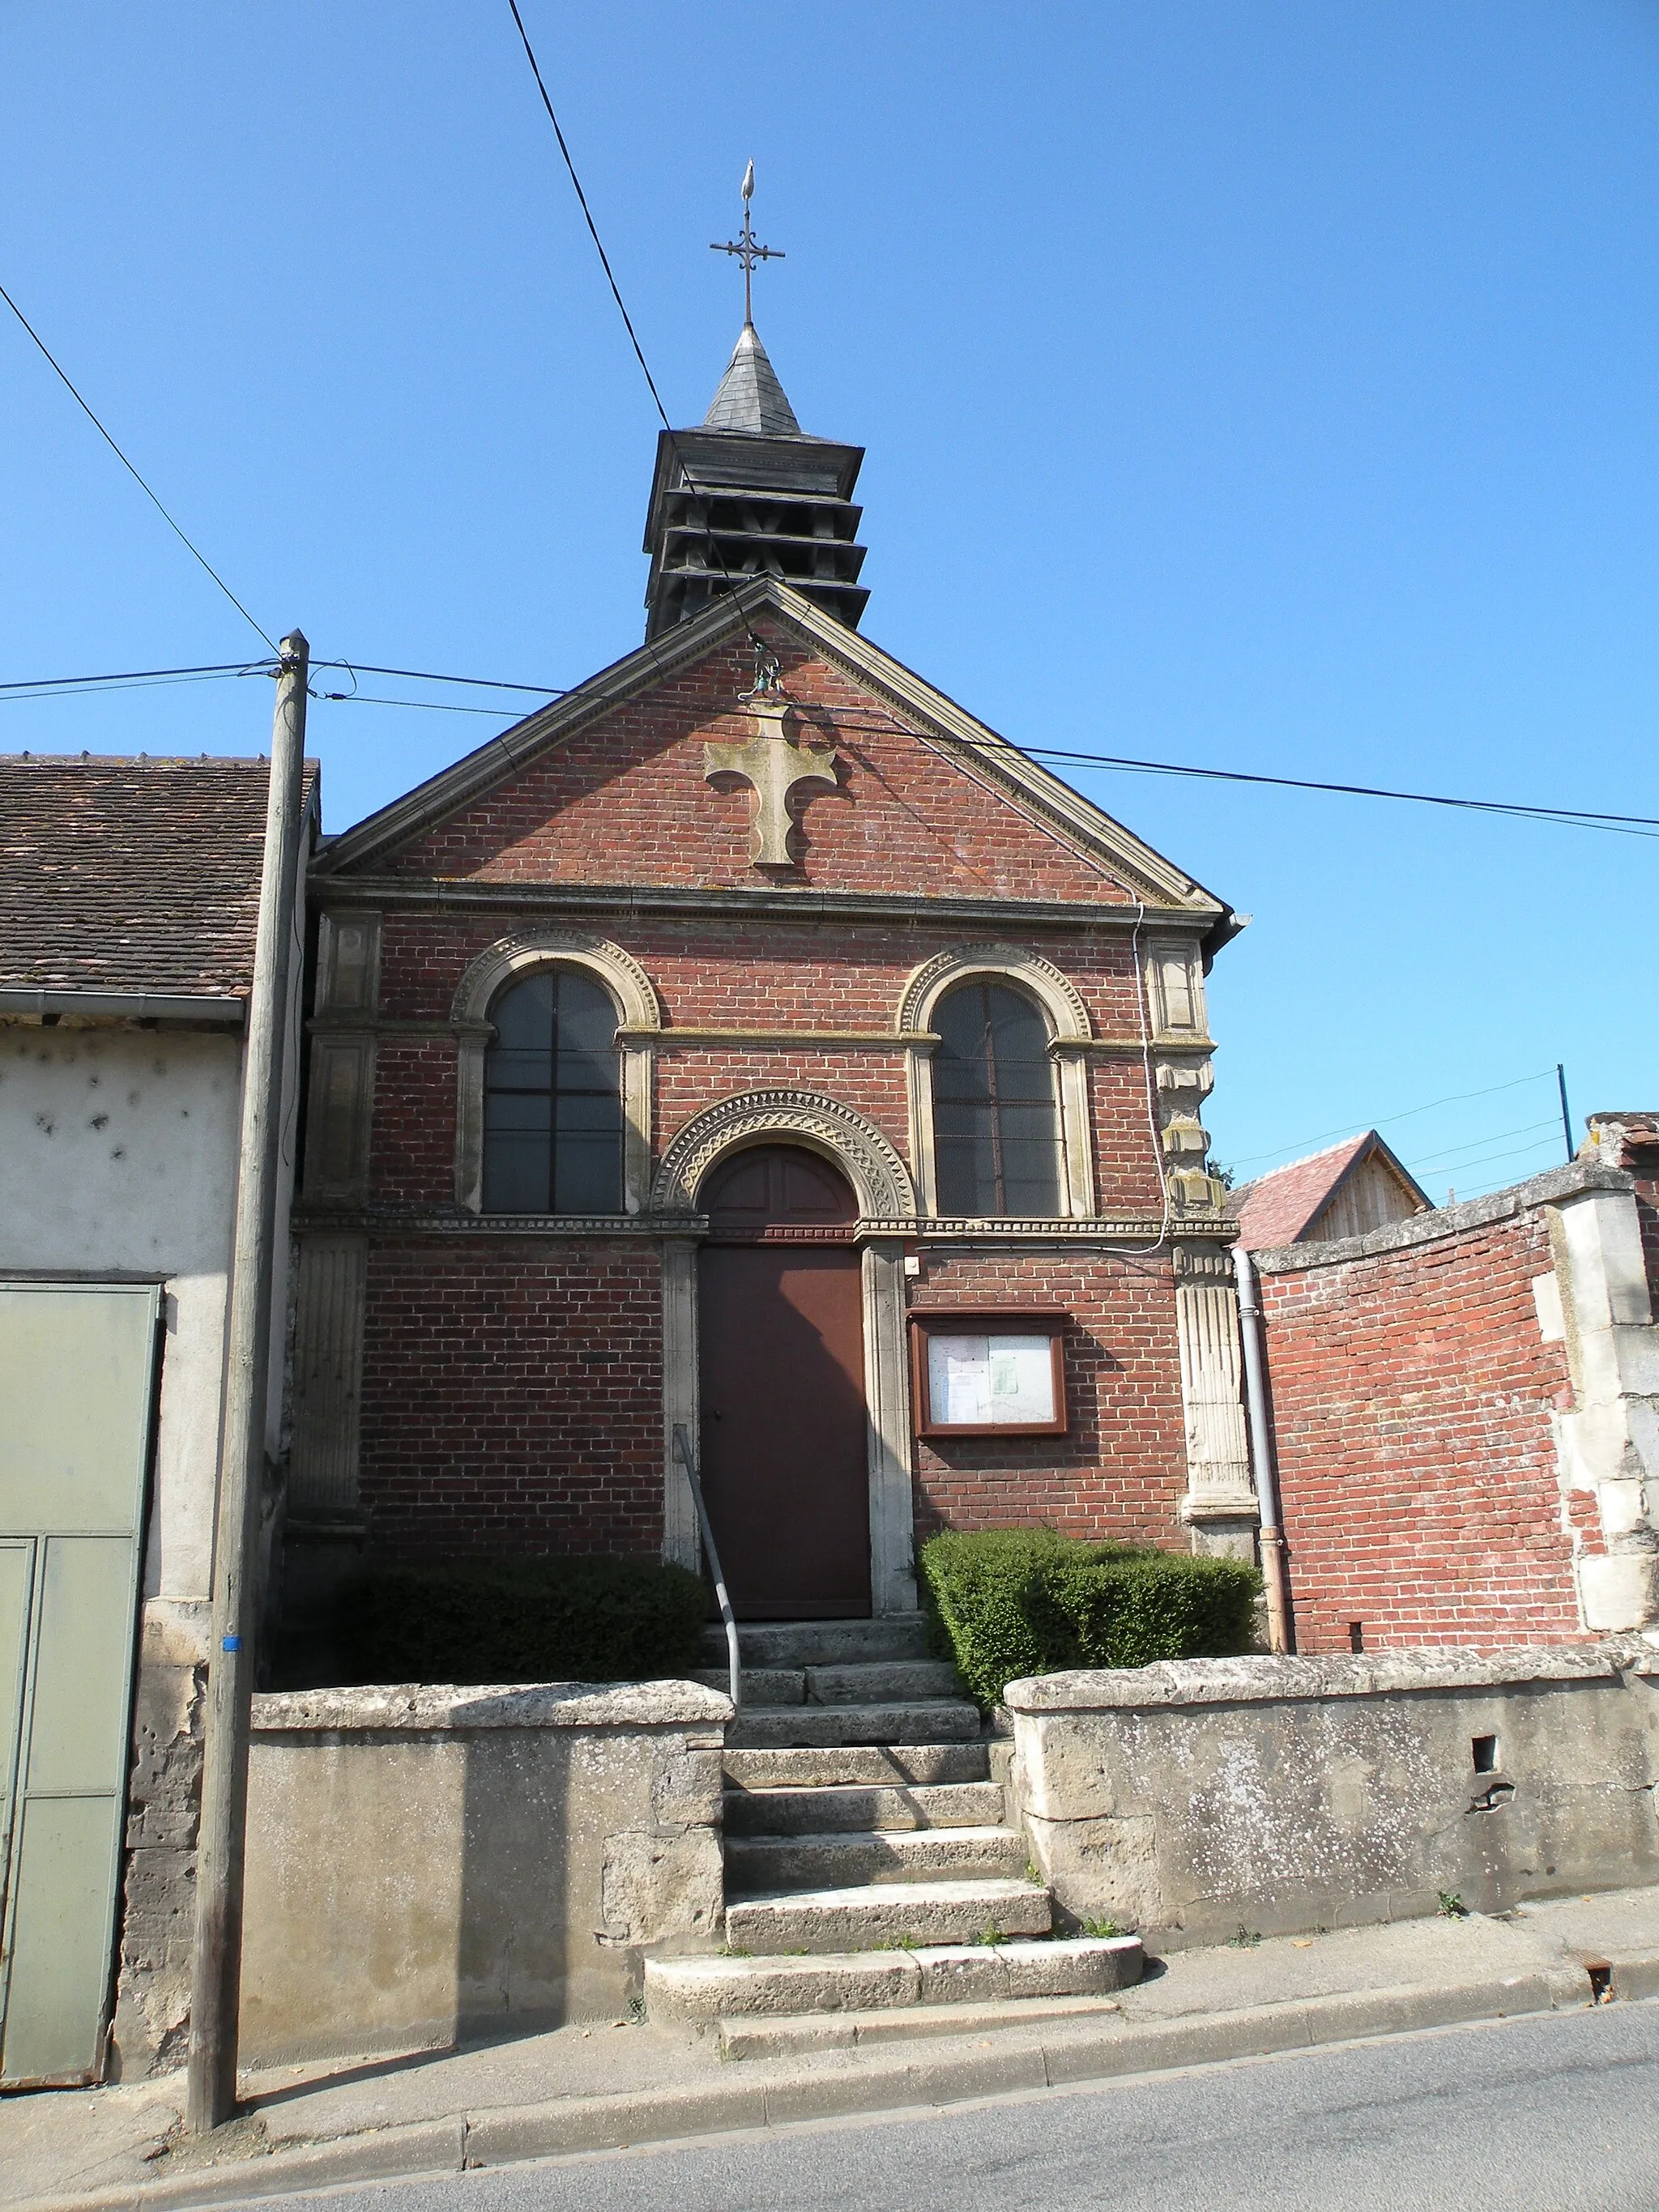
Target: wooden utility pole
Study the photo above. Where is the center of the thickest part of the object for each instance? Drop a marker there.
(216, 1984)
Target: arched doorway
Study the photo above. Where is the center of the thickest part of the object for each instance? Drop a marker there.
(781, 1342)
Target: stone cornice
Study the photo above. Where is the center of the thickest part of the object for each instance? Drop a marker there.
(768, 903)
(1106, 1232)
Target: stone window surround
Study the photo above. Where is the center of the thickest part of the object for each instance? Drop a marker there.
(639, 1018)
(882, 1184)
(1070, 1035)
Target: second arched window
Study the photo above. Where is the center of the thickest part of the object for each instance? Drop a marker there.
(553, 1117)
(996, 1136)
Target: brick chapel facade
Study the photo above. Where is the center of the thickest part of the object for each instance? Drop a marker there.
(752, 1044)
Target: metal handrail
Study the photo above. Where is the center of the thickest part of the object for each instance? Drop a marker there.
(683, 1452)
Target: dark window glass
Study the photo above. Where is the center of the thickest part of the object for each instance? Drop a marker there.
(995, 1141)
(553, 1122)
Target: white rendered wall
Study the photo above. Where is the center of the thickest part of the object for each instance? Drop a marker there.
(118, 1157)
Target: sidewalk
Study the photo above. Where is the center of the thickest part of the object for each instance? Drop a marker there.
(607, 2085)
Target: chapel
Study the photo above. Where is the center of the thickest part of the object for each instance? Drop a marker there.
(750, 1054)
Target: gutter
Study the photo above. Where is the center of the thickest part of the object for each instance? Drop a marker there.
(222, 1012)
(1280, 1632)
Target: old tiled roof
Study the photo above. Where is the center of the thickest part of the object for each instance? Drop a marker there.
(131, 875)
(1276, 1208)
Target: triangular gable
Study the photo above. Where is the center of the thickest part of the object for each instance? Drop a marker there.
(608, 784)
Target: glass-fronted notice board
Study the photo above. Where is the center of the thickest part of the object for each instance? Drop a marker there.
(989, 1374)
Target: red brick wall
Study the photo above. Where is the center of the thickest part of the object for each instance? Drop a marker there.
(1121, 1470)
(1411, 1393)
(512, 1385)
(513, 1397)
(623, 799)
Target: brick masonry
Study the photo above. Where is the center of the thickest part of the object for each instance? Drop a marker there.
(1412, 1395)
(511, 1387)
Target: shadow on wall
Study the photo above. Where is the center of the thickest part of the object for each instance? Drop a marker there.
(431, 1866)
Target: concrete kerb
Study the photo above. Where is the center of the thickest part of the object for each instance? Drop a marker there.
(1054, 2056)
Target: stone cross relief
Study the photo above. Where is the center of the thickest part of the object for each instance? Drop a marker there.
(773, 766)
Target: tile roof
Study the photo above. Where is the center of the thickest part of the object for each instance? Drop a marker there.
(1276, 1208)
(131, 875)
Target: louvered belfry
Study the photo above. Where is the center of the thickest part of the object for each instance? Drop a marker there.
(749, 493)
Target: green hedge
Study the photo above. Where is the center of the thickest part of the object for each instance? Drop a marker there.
(522, 1620)
(1006, 1602)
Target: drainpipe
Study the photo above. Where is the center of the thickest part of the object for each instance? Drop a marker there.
(1280, 1629)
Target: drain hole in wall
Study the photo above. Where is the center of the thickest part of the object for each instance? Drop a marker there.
(1485, 1748)
(1600, 1982)
(1356, 1636)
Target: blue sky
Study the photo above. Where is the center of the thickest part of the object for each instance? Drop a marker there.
(1260, 385)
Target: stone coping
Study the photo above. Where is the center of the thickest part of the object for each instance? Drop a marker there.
(1263, 1679)
(441, 1708)
(1554, 1185)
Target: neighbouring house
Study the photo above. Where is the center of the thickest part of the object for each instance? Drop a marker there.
(752, 1042)
(129, 891)
(1349, 1190)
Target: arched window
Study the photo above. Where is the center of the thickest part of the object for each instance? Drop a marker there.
(996, 1135)
(553, 1115)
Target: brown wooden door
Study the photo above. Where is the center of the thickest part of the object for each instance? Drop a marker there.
(781, 1334)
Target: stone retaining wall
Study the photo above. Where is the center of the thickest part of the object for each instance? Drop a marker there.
(430, 1864)
(1193, 1799)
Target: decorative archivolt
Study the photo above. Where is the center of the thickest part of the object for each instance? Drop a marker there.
(619, 971)
(872, 1165)
(1058, 995)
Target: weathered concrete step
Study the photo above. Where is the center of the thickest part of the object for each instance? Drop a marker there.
(774, 1863)
(793, 2035)
(803, 1727)
(954, 1911)
(883, 1682)
(820, 1643)
(761, 1686)
(851, 1983)
(831, 1765)
(840, 1810)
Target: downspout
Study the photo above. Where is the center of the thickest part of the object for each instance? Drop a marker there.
(1280, 1630)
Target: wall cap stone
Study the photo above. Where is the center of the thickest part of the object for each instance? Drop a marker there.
(445, 1707)
(1572, 1180)
(1262, 1680)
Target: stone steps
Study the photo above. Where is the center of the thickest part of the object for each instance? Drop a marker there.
(794, 2035)
(880, 1682)
(836, 1861)
(841, 1808)
(831, 1766)
(872, 1887)
(808, 1727)
(852, 1984)
(865, 1918)
(820, 1643)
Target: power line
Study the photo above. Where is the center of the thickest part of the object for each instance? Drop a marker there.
(192, 550)
(755, 639)
(47, 685)
(1583, 817)
(1449, 1158)
(1388, 1120)
(425, 675)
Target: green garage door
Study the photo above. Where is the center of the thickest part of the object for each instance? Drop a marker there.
(77, 1381)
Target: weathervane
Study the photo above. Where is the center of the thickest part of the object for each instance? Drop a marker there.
(746, 249)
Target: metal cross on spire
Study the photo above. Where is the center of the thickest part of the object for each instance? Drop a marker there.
(746, 249)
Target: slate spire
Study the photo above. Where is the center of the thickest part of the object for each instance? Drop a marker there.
(750, 397)
(748, 492)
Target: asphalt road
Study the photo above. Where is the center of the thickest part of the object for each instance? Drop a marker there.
(1521, 2116)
